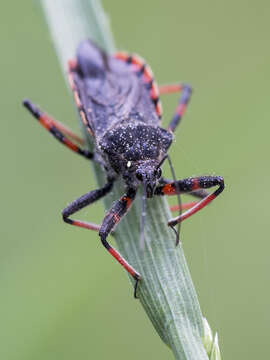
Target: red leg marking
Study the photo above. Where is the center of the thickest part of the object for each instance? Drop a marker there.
(85, 225)
(58, 130)
(190, 185)
(169, 189)
(183, 206)
(77, 100)
(168, 89)
(49, 124)
(65, 130)
(71, 81)
(195, 184)
(182, 103)
(124, 263)
(71, 145)
(201, 204)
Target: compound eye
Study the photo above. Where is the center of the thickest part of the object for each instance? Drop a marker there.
(139, 176)
(158, 173)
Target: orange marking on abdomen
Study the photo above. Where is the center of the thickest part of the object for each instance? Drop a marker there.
(85, 122)
(77, 99)
(72, 64)
(147, 74)
(159, 109)
(135, 67)
(70, 81)
(154, 91)
(82, 114)
(136, 60)
(121, 56)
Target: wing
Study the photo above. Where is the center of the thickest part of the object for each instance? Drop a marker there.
(113, 89)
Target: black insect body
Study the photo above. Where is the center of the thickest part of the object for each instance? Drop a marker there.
(119, 105)
(135, 152)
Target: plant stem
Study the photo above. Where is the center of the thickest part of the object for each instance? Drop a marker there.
(166, 290)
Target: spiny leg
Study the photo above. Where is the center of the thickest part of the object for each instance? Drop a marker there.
(186, 92)
(58, 130)
(190, 185)
(83, 201)
(112, 218)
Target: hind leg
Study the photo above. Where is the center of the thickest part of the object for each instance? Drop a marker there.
(58, 130)
(186, 92)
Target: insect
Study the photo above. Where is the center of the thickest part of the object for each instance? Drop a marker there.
(118, 101)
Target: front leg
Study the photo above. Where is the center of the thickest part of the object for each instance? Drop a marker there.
(190, 185)
(112, 218)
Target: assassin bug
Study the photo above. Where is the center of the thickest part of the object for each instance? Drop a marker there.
(118, 101)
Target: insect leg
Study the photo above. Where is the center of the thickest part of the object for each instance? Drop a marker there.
(197, 193)
(184, 206)
(83, 201)
(112, 218)
(201, 193)
(186, 91)
(58, 130)
(190, 185)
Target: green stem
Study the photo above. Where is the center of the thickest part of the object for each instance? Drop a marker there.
(166, 290)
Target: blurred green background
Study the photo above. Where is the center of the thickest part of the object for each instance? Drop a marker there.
(62, 296)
